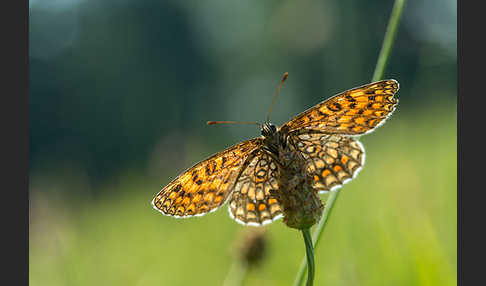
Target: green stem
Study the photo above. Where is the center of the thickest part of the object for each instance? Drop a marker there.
(377, 75)
(317, 234)
(309, 251)
(237, 274)
(390, 34)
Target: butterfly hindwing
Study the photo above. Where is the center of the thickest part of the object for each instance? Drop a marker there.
(251, 202)
(331, 160)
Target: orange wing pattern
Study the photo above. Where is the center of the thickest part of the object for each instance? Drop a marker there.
(251, 202)
(353, 112)
(207, 185)
(331, 160)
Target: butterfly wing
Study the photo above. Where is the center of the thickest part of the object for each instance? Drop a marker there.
(332, 160)
(251, 202)
(353, 112)
(206, 185)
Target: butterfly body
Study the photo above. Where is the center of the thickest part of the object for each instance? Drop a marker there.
(298, 200)
(282, 172)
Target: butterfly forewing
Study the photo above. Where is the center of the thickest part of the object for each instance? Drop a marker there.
(251, 201)
(207, 185)
(353, 112)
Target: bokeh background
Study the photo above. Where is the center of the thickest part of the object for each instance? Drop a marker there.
(120, 91)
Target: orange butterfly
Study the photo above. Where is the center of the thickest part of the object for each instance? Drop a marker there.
(254, 175)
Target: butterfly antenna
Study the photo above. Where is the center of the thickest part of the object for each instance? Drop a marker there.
(232, 122)
(286, 74)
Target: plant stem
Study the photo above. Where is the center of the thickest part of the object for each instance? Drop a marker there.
(377, 75)
(391, 31)
(317, 234)
(237, 274)
(309, 251)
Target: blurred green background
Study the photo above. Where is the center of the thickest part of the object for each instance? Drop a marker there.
(120, 91)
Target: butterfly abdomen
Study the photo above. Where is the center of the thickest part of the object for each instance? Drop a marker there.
(299, 201)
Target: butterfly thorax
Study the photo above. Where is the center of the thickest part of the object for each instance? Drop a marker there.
(272, 138)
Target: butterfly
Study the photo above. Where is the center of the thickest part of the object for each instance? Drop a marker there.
(319, 147)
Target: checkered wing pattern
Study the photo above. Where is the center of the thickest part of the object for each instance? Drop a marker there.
(331, 160)
(252, 202)
(354, 112)
(208, 184)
